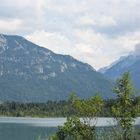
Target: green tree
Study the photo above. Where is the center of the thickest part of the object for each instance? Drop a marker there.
(124, 110)
(81, 129)
(74, 129)
(89, 109)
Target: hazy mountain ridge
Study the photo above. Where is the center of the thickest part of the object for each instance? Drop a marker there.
(128, 63)
(32, 73)
(104, 69)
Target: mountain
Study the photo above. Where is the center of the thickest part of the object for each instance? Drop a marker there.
(104, 69)
(30, 73)
(127, 63)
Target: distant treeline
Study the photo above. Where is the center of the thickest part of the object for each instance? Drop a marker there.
(50, 109)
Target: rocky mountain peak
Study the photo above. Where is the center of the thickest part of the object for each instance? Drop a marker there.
(29, 72)
(129, 63)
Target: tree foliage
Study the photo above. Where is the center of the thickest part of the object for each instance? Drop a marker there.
(88, 108)
(124, 110)
(76, 129)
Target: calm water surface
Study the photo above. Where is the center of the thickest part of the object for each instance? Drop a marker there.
(32, 128)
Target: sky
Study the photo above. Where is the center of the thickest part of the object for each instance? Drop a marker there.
(94, 31)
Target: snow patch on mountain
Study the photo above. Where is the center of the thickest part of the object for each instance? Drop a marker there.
(3, 44)
(52, 74)
(63, 67)
(3, 41)
(73, 65)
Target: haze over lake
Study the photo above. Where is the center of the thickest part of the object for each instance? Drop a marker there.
(31, 128)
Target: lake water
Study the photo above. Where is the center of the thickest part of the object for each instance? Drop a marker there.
(31, 128)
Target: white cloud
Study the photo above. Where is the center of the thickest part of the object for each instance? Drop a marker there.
(10, 25)
(21, 9)
(91, 47)
(88, 36)
(94, 31)
(107, 49)
(106, 21)
(53, 41)
(86, 20)
(60, 44)
(83, 50)
(66, 7)
(23, 16)
(103, 21)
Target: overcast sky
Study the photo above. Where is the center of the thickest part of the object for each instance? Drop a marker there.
(93, 31)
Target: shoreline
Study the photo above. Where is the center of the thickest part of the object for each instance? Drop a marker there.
(55, 122)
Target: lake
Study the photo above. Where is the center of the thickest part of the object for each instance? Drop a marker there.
(12, 128)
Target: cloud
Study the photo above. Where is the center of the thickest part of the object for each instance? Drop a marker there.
(86, 20)
(60, 44)
(26, 15)
(125, 15)
(53, 41)
(89, 30)
(10, 25)
(64, 7)
(103, 21)
(17, 9)
(89, 46)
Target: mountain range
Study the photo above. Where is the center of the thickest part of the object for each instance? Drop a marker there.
(129, 63)
(30, 73)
